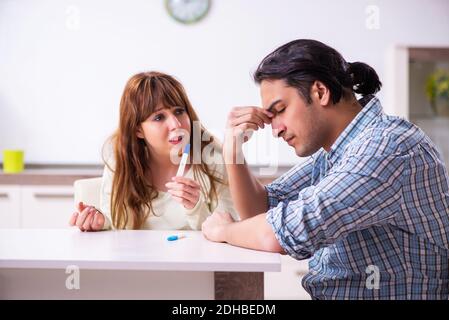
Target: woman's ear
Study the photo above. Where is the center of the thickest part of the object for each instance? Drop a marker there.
(139, 133)
(321, 93)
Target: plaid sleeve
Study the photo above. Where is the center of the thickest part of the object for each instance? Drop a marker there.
(287, 187)
(361, 192)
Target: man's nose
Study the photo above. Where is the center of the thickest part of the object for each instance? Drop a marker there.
(277, 128)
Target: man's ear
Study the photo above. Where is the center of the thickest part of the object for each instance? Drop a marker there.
(320, 93)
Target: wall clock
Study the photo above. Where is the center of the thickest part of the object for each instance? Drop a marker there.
(188, 11)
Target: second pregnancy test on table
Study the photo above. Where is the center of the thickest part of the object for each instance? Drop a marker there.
(184, 157)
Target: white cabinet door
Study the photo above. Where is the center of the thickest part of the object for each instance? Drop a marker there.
(47, 206)
(9, 206)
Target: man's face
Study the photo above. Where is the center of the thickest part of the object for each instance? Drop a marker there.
(298, 123)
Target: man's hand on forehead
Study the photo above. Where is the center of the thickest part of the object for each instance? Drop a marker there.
(254, 117)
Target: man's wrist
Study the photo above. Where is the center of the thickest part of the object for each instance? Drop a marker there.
(224, 233)
(233, 155)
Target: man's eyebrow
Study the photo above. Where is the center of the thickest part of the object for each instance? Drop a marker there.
(270, 108)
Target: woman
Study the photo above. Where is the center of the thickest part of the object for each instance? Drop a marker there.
(139, 187)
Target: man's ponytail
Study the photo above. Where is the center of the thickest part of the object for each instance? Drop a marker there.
(364, 78)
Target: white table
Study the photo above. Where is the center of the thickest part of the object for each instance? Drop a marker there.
(127, 265)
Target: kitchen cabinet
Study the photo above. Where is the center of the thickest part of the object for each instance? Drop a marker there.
(10, 206)
(35, 206)
(40, 196)
(46, 206)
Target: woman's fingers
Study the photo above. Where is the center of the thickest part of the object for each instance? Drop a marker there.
(186, 203)
(81, 206)
(184, 190)
(87, 225)
(186, 181)
(87, 218)
(82, 217)
(182, 187)
(185, 195)
(98, 221)
(73, 218)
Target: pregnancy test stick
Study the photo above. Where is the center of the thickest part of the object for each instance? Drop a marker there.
(184, 157)
(176, 237)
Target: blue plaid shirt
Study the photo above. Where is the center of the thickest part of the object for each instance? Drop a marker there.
(372, 213)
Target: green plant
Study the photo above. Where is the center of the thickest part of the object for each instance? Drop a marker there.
(437, 86)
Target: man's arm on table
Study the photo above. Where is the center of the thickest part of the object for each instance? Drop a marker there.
(253, 233)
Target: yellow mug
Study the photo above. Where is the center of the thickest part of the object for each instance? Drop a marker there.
(13, 161)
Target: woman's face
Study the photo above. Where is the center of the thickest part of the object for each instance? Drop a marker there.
(165, 129)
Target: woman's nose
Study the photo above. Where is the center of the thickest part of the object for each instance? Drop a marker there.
(173, 122)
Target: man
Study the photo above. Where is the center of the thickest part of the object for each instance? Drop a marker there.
(370, 205)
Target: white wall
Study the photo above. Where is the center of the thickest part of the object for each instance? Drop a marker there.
(60, 86)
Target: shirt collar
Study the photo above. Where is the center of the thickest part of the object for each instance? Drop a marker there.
(371, 109)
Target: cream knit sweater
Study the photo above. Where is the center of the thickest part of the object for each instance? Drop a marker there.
(171, 215)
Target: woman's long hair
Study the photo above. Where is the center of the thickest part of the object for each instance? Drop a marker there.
(132, 187)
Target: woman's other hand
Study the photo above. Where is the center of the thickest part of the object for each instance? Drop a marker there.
(87, 218)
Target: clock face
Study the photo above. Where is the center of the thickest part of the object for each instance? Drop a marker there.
(187, 11)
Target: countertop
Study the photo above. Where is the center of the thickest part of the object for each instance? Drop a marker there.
(127, 250)
(67, 174)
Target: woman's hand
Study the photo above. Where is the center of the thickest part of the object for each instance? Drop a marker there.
(184, 190)
(87, 218)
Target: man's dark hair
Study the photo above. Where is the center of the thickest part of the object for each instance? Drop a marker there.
(301, 62)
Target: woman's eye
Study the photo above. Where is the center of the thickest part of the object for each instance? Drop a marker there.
(179, 111)
(158, 117)
(281, 110)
